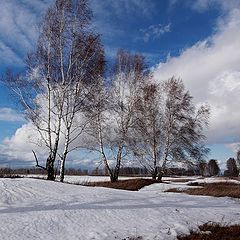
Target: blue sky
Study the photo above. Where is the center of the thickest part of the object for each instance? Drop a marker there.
(155, 28)
(197, 40)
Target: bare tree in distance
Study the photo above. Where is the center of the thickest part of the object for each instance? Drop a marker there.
(203, 168)
(168, 127)
(232, 169)
(61, 73)
(213, 167)
(238, 160)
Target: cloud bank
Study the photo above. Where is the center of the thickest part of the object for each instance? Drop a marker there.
(210, 70)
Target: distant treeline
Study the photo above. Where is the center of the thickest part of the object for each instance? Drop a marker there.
(136, 171)
(124, 171)
(39, 171)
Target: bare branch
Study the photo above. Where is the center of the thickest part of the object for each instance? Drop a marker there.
(36, 159)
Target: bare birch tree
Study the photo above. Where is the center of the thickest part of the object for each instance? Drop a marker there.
(113, 113)
(146, 141)
(168, 127)
(61, 72)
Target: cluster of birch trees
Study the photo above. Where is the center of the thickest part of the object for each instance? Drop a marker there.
(74, 104)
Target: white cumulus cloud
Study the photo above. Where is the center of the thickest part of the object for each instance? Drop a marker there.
(10, 115)
(17, 149)
(211, 71)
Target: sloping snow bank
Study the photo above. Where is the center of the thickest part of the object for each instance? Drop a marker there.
(39, 209)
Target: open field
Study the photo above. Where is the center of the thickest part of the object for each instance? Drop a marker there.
(38, 209)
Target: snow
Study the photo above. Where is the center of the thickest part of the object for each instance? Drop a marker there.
(78, 179)
(216, 180)
(40, 209)
(86, 179)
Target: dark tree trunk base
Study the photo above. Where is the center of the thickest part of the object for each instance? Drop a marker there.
(114, 178)
(50, 169)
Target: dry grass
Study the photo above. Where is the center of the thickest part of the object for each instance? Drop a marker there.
(129, 184)
(181, 180)
(214, 231)
(236, 178)
(219, 189)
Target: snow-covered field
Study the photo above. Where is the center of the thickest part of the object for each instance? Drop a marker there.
(39, 209)
(88, 178)
(77, 179)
